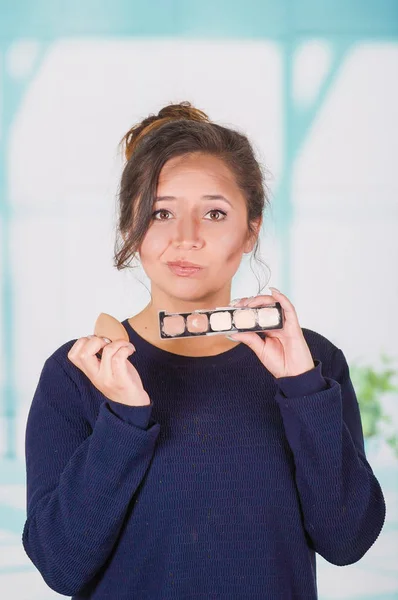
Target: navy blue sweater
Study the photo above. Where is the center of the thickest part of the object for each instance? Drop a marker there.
(224, 487)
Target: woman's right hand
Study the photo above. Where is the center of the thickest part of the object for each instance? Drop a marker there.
(113, 375)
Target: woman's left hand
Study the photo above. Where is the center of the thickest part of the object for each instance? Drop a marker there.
(284, 352)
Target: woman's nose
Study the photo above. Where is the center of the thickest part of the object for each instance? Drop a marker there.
(188, 233)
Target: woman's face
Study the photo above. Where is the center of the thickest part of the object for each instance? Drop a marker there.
(188, 225)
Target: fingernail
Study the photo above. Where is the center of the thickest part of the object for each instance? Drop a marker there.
(106, 340)
(276, 289)
(235, 301)
(246, 302)
(231, 338)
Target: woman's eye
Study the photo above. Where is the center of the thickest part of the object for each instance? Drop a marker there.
(218, 211)
(162, 210)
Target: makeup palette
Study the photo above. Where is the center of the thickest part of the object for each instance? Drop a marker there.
(221, 320)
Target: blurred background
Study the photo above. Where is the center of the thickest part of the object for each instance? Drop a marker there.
(314, 84)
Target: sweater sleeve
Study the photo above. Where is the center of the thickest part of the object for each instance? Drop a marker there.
(135, 415)
(80, 481)
(305, 384)
(342, 502)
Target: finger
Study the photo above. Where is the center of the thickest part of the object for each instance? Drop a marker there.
(80, 348)
(254, 341)
(85, 355)
(234, 301)
(284, 301)
(108, 353)
(119, 362)
(260, 300)
(107, 340)
(291, 322)
(76, 347)
(240, 301)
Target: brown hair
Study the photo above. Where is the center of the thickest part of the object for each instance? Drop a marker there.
(177, 130)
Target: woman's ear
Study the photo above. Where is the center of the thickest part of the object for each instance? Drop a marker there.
(250, 243)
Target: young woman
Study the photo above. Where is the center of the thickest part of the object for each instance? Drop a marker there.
(198, 467)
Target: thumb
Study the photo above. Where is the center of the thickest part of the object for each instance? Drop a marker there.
(254, 341)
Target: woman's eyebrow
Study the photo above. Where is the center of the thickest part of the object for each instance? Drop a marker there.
(206, 197)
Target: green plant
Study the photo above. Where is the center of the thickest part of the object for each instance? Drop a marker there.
(369, 386)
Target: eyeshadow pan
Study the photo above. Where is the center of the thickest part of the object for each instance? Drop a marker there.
(174, 325)
(197, 323)
(267, 317)
(220, 321)
(244, 319)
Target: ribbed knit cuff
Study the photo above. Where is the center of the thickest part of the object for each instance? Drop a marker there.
(304, 384)
(140, 416)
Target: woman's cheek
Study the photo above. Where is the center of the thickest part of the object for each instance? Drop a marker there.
(153, 245)
(232, 245)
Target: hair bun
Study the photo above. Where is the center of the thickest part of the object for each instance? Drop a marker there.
(183, 110)
(171, 112)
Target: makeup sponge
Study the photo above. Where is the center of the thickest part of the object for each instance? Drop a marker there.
(109, 327)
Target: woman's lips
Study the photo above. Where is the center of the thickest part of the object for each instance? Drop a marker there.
(184, 271)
